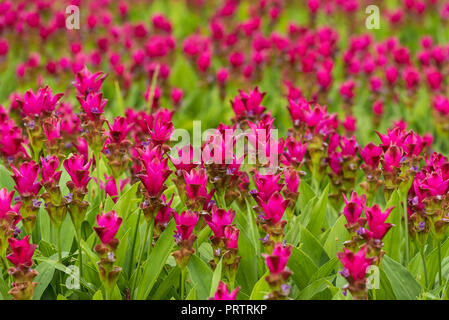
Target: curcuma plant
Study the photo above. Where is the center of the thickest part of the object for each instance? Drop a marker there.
(280, 151)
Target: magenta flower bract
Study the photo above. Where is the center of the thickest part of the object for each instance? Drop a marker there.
(77, 167)
(185, 223)
(22, 252)
(274, 208)
(376, 221)
(277, 261)
(355, 265)
(108, 225)
(219, 219)
(223, 293)
(26, 178)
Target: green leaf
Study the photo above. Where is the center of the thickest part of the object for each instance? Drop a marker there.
(45, 272)
(337, 235)
(312, 247)
(402, 282)
(201, 276)
(216, 277)
(124, 205)
(318, 215)
(302, 266)
(156, 262)
(261, 289)
(314, 288)
(98, 295)
(192, 294)
(171, 281)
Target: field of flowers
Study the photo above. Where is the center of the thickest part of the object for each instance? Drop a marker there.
(224, 149)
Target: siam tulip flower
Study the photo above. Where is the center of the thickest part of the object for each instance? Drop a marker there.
(176, 96)
(292, 181)
(196, 189)
(248, 105)
(218, 220)
(184, 236)
(376, 222)
(21, 257)
(185, 160)
(353, 211)
(355, 266)
(12, 148)
(160, 131)
(270, 218)
(295, 153)
(117, 145)
(93, 105)
(223, 293)
(108, 225)
(87, 82)
(266, 186)
(164, 215)
(279, 273)
(9, 217)
(35, 104)
(28, 188)
(78, 167)
(55, 204)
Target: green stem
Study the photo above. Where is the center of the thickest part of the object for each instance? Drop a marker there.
(133, 250)
(58, 239)
(440, 281)
(140, 256)
(183, 279)
(407, 249)
(374, 294)
(421, 250)
(78, 236)
(150, 241)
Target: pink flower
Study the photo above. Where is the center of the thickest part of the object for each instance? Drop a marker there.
(274, 208)
(160, 130)
(44, 100)
(87, 82)
(376, 222)
(371, 155)
(93, 105)
(292, 181)
(185, 223)
(176, 96)
(392, 158)
(248, 104)
(296, 151)
(6, 211)
(108, 225)
(219, 220)
(119, 130)
(49, 172)
(26, 178)
(196, 183)
(52, 129)
(156, 172)
(22, 252)
(165, 213)
(267, 185)
(185, 159)
(277, 261)
(354, 208)
(77, 167)
(223, 293)
(354, 265)
(231, 235)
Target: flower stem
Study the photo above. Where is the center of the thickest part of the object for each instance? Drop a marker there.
(421, 250)
(183, 279)
(440, 281)
(58, 239)
(407, 249)
(133, 250)
(139, 260)
(78, 236)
